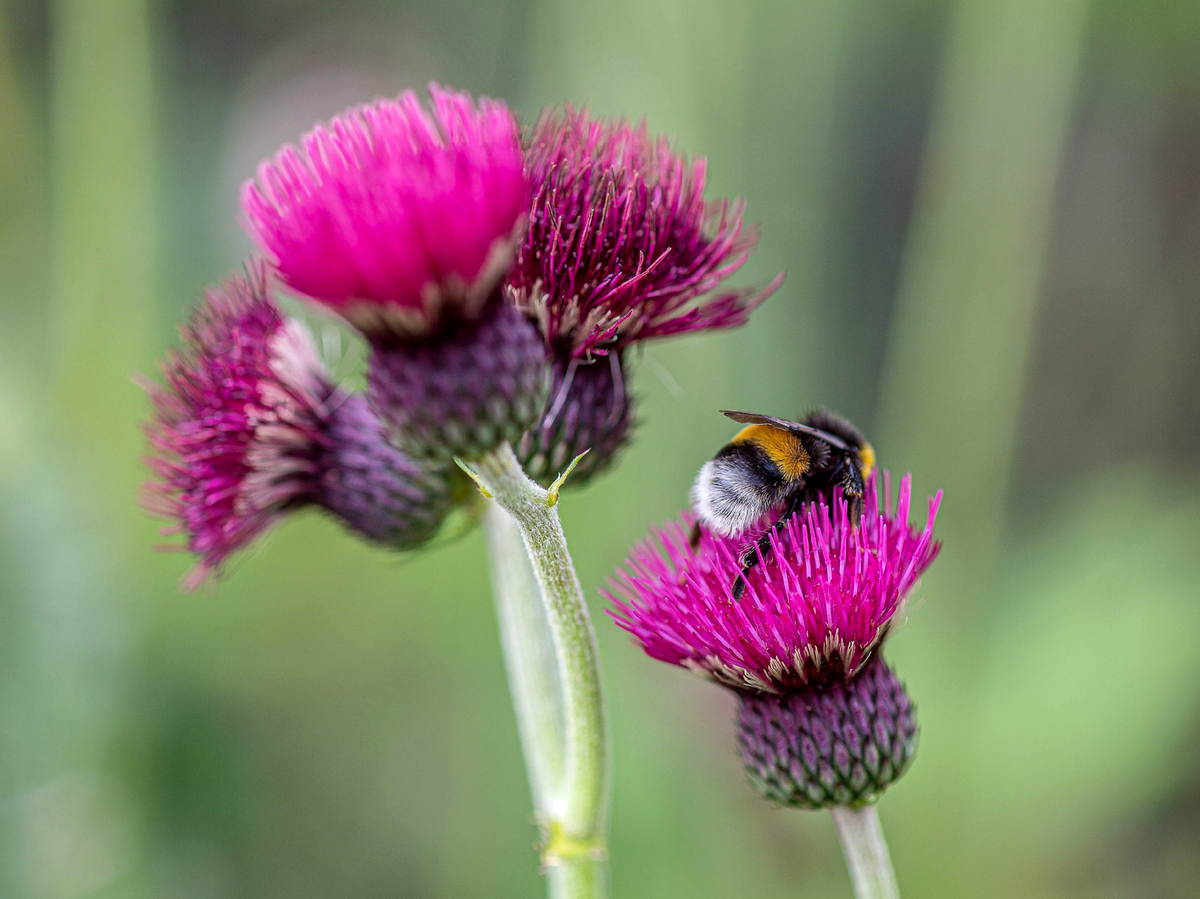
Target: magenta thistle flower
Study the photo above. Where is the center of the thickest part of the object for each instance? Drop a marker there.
(403, 220)
(249, 428)
(816, 608)
(823, 719)
(392, 215)
(622, 245)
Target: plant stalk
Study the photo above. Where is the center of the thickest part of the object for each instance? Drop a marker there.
(574, 804)
(866, 852)
(530, 659)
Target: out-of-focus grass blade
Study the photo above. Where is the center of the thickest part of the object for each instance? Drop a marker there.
(955, 367)
(18, 146)
(104, 225)
(957, 354)
(68, 825)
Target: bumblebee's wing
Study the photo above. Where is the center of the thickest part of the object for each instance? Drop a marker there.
(753, 418)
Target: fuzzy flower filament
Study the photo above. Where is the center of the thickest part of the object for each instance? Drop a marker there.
(622, 245)
(393, 215)
(816, 608)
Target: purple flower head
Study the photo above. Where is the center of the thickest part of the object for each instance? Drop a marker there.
(393, 215)
(236, 426)
(249, 428)
(621, 244)
(815, 610)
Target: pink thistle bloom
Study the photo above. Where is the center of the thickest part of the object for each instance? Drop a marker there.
(249, 428)
(236, 423)
(392, 215)
(621, 244)
(815, 610)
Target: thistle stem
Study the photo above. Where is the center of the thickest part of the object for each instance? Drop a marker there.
(573, 802)
(866, 852)
(530, 660)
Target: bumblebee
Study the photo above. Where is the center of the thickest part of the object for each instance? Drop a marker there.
(775, 465)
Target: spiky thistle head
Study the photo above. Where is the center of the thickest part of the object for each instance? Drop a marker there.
(822, 719)
(621, 245)
(403, 220)
(236, 424)
(395, 216)
(815, 609)
(249, 427)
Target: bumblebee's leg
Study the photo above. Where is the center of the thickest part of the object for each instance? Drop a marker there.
(851, 483)
(762, 547)
(694, 536)
(760, 551)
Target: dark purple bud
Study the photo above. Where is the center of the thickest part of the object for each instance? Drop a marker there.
(590, 409)
(374, 488)
(835, 743)
(465, 391)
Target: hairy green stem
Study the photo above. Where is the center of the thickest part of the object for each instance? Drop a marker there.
(866, 852)
(573, 881)
(576, 807)
(530, 659)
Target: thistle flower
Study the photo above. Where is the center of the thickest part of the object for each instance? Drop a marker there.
(249, 428)
(403, 220)
(621, 247)
(823, 720)
(394, 216)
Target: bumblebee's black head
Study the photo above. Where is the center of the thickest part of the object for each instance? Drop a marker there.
(831, 423)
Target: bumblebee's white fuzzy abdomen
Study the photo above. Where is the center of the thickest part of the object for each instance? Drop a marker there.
(725, 501)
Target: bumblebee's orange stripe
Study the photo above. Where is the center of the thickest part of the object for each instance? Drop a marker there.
(781, 447)
(866, 459)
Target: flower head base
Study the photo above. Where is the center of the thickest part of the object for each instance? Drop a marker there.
(462, 392)
(589, 410)
(395, 216)
(837, 744)
(249, 428)
(814, 610)
(374, 488)
(621, 244)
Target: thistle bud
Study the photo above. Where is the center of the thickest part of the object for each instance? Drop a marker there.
(464, 391)
(376, 489)
(838, 744)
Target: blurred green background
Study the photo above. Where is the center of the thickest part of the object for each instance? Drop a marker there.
(989, 213)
